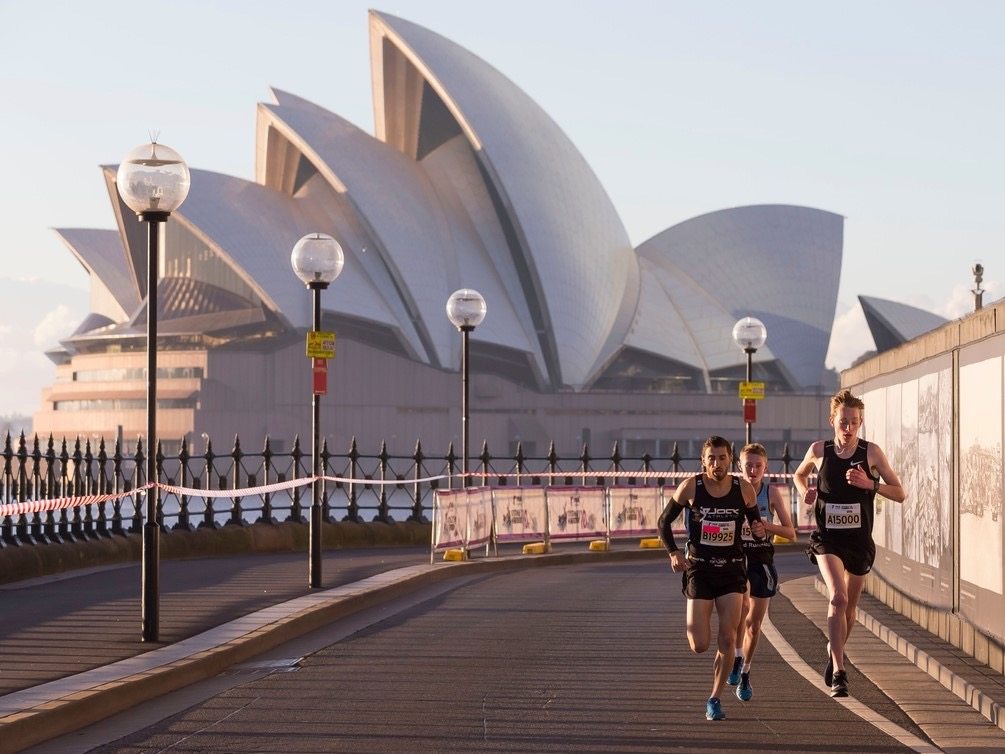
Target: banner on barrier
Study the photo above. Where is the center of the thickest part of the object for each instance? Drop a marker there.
(479, 504)
(462, 517)
(520, 513)
(634, 510)
(450, 518)
(577, 512)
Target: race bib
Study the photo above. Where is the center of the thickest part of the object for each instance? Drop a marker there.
(843, 516)
(718, 533)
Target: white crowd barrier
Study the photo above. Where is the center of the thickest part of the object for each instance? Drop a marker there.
(548, 513)
(462, 518)
(560, 513)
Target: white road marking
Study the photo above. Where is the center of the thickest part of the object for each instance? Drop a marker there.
(854, 706)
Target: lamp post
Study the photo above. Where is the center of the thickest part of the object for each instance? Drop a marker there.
(317, 260)
(153, 180)
(978, 271)
(466, 310)
(749, 334)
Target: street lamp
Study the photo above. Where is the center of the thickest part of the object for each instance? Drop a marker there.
(317, 260)
(466, 310)
(749, 334)
(153, 180)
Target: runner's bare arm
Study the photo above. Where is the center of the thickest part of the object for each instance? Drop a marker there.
(810, 463)
(784, 526)
(884, 479)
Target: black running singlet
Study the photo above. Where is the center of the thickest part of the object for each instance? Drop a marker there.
(714, 523)
(844, 513)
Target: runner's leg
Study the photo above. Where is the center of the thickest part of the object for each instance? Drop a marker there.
(741, 627)
(699, 624)
(854, 586)
(758, 609)
(741, 624)
(833, 573)
(728, 609)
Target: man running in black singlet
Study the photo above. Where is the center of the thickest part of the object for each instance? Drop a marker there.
(714, 572)
(850, 472)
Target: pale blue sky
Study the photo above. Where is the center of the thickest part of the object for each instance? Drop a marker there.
(889, 113)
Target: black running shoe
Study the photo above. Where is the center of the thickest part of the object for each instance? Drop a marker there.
(734, 676)
(839, 686)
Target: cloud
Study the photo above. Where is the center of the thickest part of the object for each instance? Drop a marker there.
(961, 299)
(54, 326)
(850, 338)
(28, 331)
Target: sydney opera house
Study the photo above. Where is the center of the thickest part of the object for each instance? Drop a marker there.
(468, 183)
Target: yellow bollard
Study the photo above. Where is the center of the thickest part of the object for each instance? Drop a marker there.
(535, 548)
(650, 543)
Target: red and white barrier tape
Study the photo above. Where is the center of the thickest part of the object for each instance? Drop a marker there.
(237, 492)
(42, 506)
(379, 482)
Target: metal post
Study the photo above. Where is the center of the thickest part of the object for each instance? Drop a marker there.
(750, 356)
(314, 557)
(150, 602)
(465, 332)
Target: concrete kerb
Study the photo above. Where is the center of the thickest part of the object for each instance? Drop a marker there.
(981, 702)
(72, 710)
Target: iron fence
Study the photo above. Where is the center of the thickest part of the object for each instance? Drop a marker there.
(376, 487)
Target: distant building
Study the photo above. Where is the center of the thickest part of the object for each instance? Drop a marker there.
(892, 323)
(467, 183)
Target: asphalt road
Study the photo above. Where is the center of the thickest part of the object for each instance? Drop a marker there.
(579, 658)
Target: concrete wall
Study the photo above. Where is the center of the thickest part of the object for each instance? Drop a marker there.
(935, 406)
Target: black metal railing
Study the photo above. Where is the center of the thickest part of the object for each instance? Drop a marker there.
(36, 470)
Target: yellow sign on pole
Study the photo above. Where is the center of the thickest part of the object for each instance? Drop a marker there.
(320, 345)
(752, 390)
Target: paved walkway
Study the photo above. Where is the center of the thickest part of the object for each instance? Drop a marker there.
(70, 652)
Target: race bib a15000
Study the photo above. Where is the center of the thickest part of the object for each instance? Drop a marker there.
(718, 533)
(843, 516)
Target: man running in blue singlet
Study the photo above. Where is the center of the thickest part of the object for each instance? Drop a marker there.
(714, 576)
(850, 472)
(762, 579)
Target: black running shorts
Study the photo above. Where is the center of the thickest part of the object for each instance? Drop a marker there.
(706, 583)
(857, 559)
(763, 579)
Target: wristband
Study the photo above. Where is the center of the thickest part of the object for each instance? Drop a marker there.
(875, 485)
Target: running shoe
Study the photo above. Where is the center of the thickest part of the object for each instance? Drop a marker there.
(839, 686)
(744, 692)
(713, 710)
(734, 676)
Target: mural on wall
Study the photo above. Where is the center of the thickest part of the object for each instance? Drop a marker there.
(926, 518)
(874, 430)
(906, 465)
(944, 430)
(893, 513)
(981, 473)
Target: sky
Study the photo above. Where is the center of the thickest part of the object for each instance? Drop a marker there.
(888, 113)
